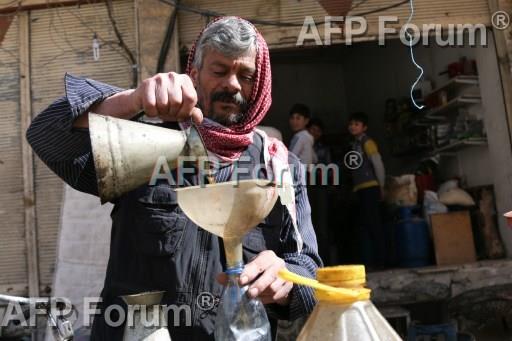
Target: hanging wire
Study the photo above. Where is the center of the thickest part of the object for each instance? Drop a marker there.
(122, 44)
(63, 39)
(208, 13)
(358, 4)
(60, 39)
(9, 11)
(411, 49)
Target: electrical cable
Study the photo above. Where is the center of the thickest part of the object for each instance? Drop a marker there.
(118, 46)
(54, 11)
(209, 13)
(166, 44)
(357, 5)
(6, 5)
(129, 53)
(11, 13)
(381, 9)
(411, 49)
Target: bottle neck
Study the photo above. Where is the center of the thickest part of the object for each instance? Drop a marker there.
(235, 271)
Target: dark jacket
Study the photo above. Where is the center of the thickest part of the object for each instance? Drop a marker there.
(154, 246)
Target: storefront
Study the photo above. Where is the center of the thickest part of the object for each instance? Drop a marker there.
(334, 79)
(365, 76)
(464, 127)
(338, 78)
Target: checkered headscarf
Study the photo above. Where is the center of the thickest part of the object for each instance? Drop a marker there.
(229, 142)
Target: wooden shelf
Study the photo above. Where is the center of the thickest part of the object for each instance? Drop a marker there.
(455, 146)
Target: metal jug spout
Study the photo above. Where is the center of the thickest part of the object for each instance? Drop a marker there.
(125, 152)
(146, 319)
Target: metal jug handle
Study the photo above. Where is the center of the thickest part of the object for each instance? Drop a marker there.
(197, 147)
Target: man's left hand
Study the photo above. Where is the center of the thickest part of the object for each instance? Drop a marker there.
(261, 274)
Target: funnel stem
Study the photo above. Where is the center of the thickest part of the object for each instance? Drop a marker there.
(233, 250)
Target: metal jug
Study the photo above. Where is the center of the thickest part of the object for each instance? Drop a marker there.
(125, 152)
(146, 319)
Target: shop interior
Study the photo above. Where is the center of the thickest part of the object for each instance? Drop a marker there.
(451, 152)
(443, 146)
(445, 192)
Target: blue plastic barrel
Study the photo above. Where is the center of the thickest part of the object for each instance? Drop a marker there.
(412, 239)
(446, 332)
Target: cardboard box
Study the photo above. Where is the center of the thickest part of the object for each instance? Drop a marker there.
(453, 238)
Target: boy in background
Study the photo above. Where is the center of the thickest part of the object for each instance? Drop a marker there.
(302, 142)
(316, 129)
(368, 184)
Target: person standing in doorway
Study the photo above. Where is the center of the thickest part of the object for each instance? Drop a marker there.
(368, 184)
(322, 151)
(302, 142)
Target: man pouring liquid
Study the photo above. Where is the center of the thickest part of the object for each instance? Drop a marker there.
(154, 246)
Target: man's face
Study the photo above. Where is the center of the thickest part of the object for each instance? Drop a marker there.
(298, 122)
(224, 85)
(356, 128)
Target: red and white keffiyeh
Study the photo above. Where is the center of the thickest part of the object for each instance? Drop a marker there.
(228, 143)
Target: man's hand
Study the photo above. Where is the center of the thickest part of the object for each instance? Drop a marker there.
(169, 96)
(261, 276)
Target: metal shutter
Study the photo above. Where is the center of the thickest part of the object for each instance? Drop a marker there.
(61, 41)
(13, 262)
(294, 11)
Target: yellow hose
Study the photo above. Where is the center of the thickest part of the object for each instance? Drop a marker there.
(349, 278)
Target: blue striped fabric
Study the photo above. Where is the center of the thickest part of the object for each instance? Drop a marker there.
(67, 152)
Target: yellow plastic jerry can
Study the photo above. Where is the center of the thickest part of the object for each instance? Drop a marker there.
(344, 311)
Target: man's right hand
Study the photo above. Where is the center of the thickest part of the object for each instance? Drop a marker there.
(169, 96)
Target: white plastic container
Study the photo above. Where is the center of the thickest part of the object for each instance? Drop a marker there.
(338, 318)
(359, 321)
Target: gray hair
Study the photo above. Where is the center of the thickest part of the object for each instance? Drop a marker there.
(231, 36)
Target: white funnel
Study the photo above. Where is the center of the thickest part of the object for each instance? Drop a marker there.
(229, 210)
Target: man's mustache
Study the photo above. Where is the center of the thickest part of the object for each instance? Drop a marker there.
(235, 98)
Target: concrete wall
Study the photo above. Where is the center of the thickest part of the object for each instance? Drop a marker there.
(83, 249)
(500, 152)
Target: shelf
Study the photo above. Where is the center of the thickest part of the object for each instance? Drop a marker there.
(411, 151)
(458, 102)
(458, 81)
(425, 122)
(455, 146)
